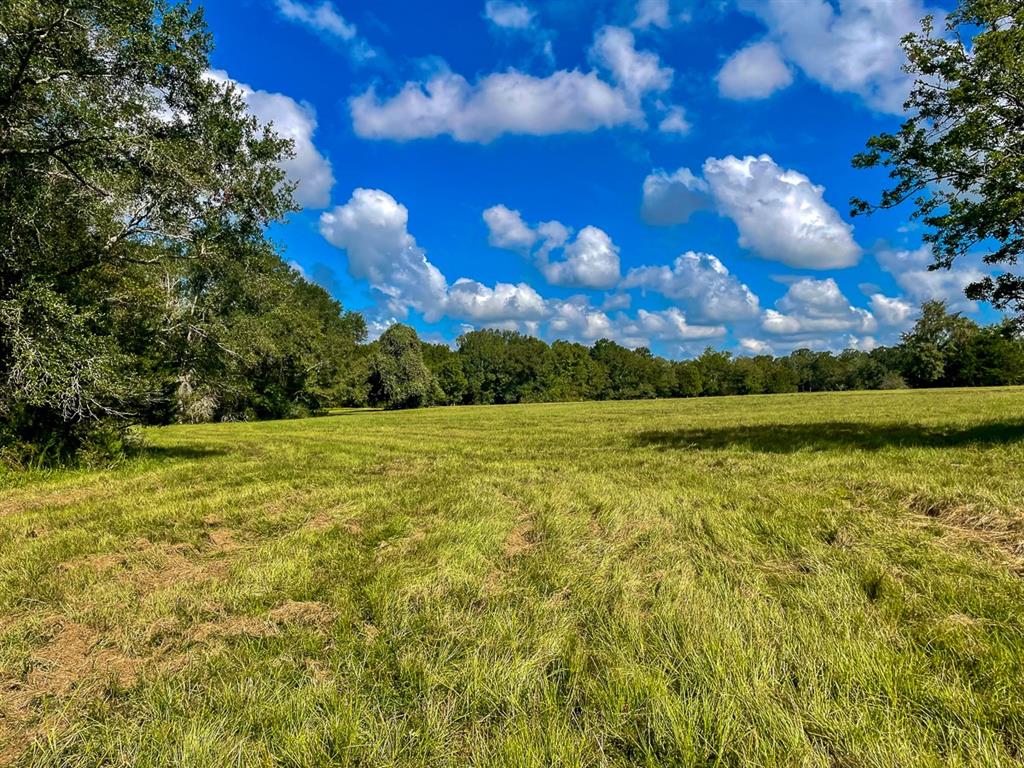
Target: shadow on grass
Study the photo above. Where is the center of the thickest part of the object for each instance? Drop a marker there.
(171, 452)
(787, 438)
(352, 411)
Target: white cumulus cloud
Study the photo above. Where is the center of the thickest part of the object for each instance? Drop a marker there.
(475, 301)
(891, 310)
(508, 14)
(290, 119)
(507, 230)
(652, 13)
(815, 307)
(754, 72)
(671, 199)
(514, 102)
(780, 214)
(638, 72)
(756, 346)
(909, 269)
(591, 260)
(852, 47)
(511, 102)
(702, 281)
(670, 325)
(579, 321)
(675, 121)
(372, 227)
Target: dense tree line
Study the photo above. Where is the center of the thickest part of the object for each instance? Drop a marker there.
(944, 349)
(136, 281)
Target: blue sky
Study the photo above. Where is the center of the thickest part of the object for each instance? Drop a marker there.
(663, 173)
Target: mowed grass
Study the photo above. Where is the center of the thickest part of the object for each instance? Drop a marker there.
(807, 580)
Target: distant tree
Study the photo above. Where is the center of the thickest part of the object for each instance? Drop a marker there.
(398, 376)
(524, 359)
(959, 156)
(859, 370)
(688, 381)
(568, 372)
(717, 372)
(501, 366)
(892, 380)
(934, 348)
(446, 367)
(779, 377)
(631, 373)
(750, 375)
(994, 356)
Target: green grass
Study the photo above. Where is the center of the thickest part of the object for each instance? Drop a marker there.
(812, 580)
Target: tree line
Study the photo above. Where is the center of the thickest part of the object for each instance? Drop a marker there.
(944, 349)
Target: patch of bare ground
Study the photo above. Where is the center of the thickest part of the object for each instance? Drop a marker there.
(63, 497)
(306, 612)
(293, 612)
(1000, 533)
(153, 567)
(404, 467)
(76, 661)
(232, 627)
(523, 537)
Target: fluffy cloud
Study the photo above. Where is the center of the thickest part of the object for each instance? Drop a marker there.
(814, 307)
(513, 102)
(475, 301)
(780, 214)
(754, 72)
(674, 121)
(909, 269)
(325, 20)
(853, 48)
(670, 325)
(891, 311)
(652, 13)
(308, 169)
(372, 227)
(578, 320)
(509, 102)
(507, 230)
(591, 260)
(756, 347)
(638, 72)
(672, 199)
(516, 18)
(701, 280)
(508, 15)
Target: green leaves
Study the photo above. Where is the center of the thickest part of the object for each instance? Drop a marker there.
(959, 156)
(398, 376)
(135, 190)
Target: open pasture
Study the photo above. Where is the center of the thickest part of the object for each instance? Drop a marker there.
(806, 580)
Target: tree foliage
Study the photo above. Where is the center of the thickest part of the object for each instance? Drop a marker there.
(943, 349)
(136, 282)
(398, 376)
(959, 155)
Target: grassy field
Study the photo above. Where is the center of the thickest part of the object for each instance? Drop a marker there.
(807, 580)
